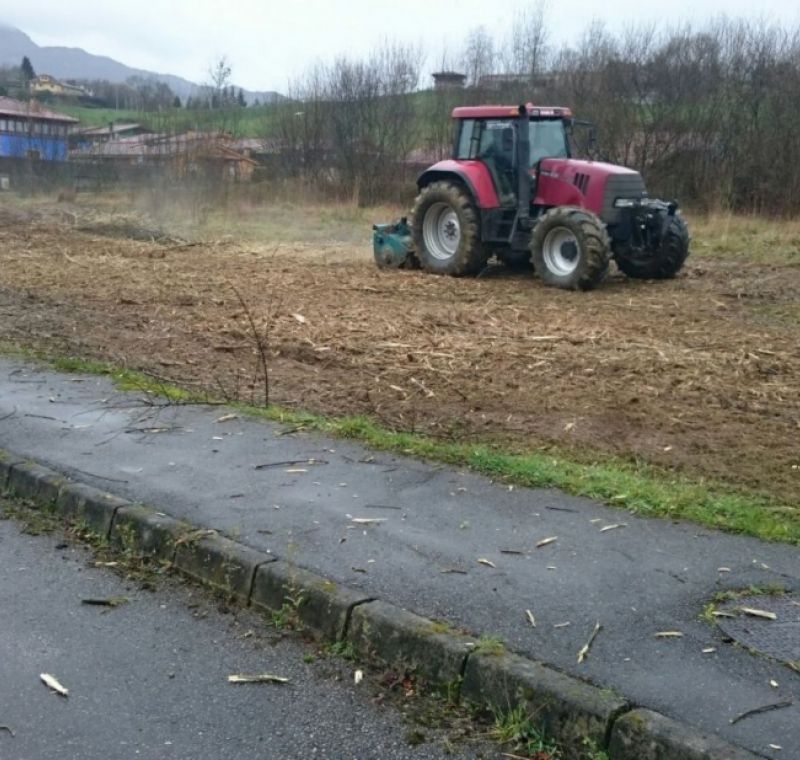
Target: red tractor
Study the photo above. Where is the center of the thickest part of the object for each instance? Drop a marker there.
(512, 189)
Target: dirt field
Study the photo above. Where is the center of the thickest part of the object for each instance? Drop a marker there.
(700, 374)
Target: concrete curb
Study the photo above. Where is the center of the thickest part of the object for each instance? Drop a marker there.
(569, 709)
(318, 603)
(220, 563)
(398, 637)
(647, 735)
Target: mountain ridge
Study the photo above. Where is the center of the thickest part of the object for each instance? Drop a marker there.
(76, 63)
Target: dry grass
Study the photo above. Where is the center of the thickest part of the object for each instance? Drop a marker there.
(752, 238)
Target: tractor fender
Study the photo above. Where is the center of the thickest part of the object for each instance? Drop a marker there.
(472, 174)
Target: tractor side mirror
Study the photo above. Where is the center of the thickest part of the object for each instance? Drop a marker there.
(590, 136)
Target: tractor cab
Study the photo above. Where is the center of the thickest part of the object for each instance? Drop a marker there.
(489, 134)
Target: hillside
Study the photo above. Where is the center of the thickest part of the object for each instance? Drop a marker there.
(75, 63)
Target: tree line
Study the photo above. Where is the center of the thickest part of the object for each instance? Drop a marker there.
(708, 114)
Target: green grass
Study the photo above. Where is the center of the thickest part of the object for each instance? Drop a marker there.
(641, 489)
(241, 122)
(516, 729)
(491, 645)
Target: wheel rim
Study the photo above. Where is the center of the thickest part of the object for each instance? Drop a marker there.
(441, 231)
(561, 251)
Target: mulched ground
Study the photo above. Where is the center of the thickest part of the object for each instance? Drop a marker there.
(700, 374)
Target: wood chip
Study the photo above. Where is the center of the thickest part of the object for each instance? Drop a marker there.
(722, 613)
(486, 562)
(614, 526)
(583, 653)
(368, 520)
(773, 683)
(709, 650)
(669, 635)
(546, 541)
(259, 678)
(53, 683)
(358, 676)
(561, 625)
(764, 614)
(300, 318)
(228, 417)
(531, 618)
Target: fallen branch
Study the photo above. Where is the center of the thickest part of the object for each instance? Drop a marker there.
(584, 650)
(762, 709)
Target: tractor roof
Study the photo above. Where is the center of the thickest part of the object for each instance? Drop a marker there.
(501, 112)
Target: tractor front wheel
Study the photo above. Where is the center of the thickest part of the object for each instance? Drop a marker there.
(446, 230)
(660, 263)
(571, 248)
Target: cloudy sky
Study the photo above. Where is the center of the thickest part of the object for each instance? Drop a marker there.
(269, 42)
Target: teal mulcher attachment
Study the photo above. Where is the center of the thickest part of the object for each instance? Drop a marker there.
(393, 246)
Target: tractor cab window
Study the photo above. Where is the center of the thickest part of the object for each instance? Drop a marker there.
(497, 142)
(464, 148)
(548, 140)
(493, 141)
(487, 140)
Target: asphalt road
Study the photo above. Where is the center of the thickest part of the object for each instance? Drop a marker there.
(148, 679)
(297, 494)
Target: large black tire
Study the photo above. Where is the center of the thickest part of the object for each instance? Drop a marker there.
(663, 262)
(446, 229)
(571, 248)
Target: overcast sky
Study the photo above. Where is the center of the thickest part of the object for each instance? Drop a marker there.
(269, 42)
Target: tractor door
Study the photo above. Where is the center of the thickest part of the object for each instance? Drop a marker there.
(497, 150)
(493, 142)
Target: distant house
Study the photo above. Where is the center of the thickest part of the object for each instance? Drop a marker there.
(46, 84)
(448, 80)
(28, 131)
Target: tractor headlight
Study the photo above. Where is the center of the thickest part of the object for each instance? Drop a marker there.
(626, 203)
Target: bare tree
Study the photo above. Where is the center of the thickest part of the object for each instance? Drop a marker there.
(478, 58)
(220, 78)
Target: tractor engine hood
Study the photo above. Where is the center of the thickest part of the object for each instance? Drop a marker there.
(593, 185)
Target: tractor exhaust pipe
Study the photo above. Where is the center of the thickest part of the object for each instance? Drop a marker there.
(523, 169)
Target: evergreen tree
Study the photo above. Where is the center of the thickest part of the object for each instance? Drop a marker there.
(240, 98)
(27, 69)
(176, 103)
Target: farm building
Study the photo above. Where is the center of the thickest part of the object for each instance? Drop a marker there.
(448, 80)
(185, 155)
(29, 131)
(83, 139)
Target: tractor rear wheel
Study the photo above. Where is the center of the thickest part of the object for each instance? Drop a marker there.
(571, 248)
(660, 263)
(446, 230)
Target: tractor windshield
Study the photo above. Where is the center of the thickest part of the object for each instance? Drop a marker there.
(548, 140)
